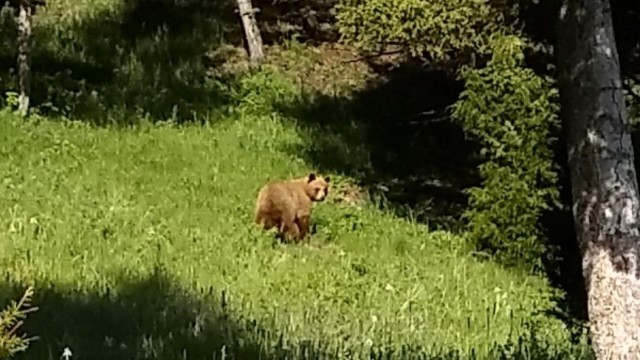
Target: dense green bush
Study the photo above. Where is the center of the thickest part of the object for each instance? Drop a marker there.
(445, 32)
(513, 113)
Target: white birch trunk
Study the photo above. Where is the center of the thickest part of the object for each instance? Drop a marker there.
(603, 177)
(251, 31)
(24, 56)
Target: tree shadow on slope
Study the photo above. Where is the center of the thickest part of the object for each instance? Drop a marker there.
(147, 318)
(397, 138)
(140, 57)
(563, 264)
(151, 318)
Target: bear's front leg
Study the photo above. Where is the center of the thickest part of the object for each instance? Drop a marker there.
(303, 224)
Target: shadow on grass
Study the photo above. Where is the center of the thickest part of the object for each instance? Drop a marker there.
(151, 318)
(563, 264)
(140, 57)
(148, 318)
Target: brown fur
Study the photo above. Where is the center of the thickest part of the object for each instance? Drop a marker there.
(287, 205)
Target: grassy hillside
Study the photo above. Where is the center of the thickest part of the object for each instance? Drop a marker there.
(139, 241)
(140, 244)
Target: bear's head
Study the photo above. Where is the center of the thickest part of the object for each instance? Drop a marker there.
(316, 187)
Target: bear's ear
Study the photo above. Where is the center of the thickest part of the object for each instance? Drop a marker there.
(311, 177)
(327, 179)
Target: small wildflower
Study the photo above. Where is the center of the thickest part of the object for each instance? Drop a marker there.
(66, 353)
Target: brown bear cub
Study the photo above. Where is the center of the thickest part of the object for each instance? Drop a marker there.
(287, 205)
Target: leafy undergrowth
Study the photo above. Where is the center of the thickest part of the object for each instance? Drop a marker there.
(140, 244)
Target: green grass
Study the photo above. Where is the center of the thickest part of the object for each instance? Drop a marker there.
(140, 244)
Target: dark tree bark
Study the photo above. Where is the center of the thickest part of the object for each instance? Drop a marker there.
(251, 31)
(603, 176)
(24, 56)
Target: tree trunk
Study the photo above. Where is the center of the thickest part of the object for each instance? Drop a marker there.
(251, 31)
(603, 177)
(24, 58)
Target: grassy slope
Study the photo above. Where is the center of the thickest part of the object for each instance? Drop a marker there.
(140, 241)
(89, 210)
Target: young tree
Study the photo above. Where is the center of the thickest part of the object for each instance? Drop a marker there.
(11, 319)
(603, 177)
(251, 31)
